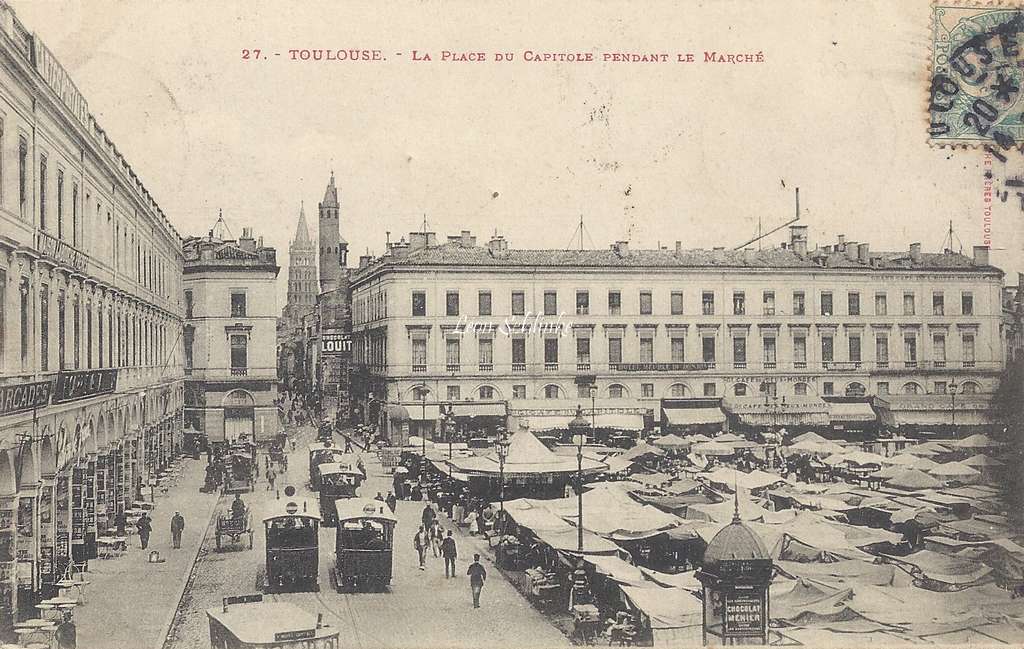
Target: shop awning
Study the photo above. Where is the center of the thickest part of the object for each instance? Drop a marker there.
(619, 420)
(537, 423)
(478, 410)
(859, 411)
(423, 413)
(693, 416)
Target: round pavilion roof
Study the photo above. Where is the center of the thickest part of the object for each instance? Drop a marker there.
(735, 541)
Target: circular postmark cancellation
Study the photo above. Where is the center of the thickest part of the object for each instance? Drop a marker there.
(975, 96)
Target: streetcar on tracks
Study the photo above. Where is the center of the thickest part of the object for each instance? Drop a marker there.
(338, 480)
(239, 471)
(292, 539)
(321, 453)
(248, 622)
(364, 540)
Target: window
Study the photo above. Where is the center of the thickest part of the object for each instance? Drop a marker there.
(939, 350)
(678, 390)
(61, 326)
(237, 304)
(940, 387)
(519, 354)
(647, 390)
(646, 303)
(911, 388)
(451, 303)
(908, 304)
(826, 303)
(25, 333)
(76, 326)
(970, 387)
(708, 349)
(614, 303)
(770, 388)
(486, 392)
(484, 303)
(614, 351)
(768, 302)
(769, 348)
(188, 304)
(854, 344)
(60, 204)
(518, 391)
(799, 303)
(582, 303)
(42, 192)
(740, 389)
(853, 303)
(74, 214)
(739, 303)
(452, 354)
(419, 303)
(550, 303)
(881, 306)
(710, 389)
(910, 350)
(799, 352)
(420, 393)
(938, 304)
(827, 349)
(677, 303)
(485, 352)
(239, 352)
(583, 351)
(583, 391)
(453, 393)
(739, 352)
(190, 336)
(800, 389)
(419, 354)
(22, 176)
(828, 388)
(551, 353)
(678, 350)
(967, 303)
(551, 392)
(518, 303)
(44, 329)
(646, 350)
(968, 350)
(882, 350)
(707, 303)
(615, 391)
(882, 387)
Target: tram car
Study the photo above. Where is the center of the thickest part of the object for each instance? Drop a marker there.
(239, 472)
(248, 622)
(338, 480)
(321, 453)
(292, 540)
(364, 540)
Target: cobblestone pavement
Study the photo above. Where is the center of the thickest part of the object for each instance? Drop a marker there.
(422, 608)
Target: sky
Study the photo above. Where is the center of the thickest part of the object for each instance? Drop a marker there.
(646, 152)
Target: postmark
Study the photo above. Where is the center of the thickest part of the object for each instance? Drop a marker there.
(975, 96)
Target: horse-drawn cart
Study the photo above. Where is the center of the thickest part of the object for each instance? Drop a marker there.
(233, 527)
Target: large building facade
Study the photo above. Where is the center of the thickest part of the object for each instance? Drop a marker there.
(449, 322)
(230, 328)
(91, 364)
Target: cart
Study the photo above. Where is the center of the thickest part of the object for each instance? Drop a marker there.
(233, 528)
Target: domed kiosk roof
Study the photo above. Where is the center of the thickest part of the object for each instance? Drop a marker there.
(735, 541)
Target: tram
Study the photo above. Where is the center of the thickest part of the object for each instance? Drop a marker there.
(338, 480)
(239, 472)
(321, 453)
(292, 539)
(248, 622)
(364, 541)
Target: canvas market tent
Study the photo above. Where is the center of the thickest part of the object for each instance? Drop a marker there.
(954, 470)
(912, 479)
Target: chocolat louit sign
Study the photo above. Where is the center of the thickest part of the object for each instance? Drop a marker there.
(72, 386)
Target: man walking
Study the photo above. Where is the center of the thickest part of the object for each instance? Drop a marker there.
(428, 516)
(420, 542)
(477, 576)
(449, 552)
(65, 634)
(271, 477)
(145, 526)
(177, 527)
(391, 501)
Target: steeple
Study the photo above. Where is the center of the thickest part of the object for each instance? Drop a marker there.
(331, 194)
(302, 230)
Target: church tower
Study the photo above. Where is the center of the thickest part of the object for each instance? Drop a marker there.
(333, 249)
(302, 280)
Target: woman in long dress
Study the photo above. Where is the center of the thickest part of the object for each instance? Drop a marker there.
(473, 520)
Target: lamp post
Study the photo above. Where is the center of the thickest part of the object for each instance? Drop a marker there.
(578, 426)
(501, 446)
(423, 431)
(952, 395)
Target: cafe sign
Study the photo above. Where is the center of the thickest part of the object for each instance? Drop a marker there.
(72, 386)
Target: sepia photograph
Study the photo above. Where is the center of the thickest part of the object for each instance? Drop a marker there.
(432, 324)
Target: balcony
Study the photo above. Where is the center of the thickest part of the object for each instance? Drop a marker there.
(799, 365)
(882, 365)
(239, 371)
(550, 367)
(452, 368)
(938, 364)
(841, 366)
(486, 367)
(518, 368)
(419, 367)
(910, 365)
(968, 363)
(583, 366)
(739, 365)
(769, 365)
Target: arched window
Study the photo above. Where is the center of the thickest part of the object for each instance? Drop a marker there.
(800, 389)
(486, 392)
(970, 387)
(679, 390)
(911, 388)
(855, 390)
(740, 389)
(616, 391)
(552, 392)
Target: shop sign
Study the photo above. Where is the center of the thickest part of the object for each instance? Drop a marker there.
(20, 397)
(744, 615)
(660, 367)
(72, 386)
(301, 634)
(335, 343)
(78, 506)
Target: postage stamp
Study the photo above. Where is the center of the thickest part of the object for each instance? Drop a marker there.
(977, 74)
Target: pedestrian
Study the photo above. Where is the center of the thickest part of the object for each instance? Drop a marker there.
(65, 634)
(436, 537)
(473, 521)
(477, 576)
(379, 497)
(420, 542)
(428, 516)
(177, 527)
(391, 501)
(271, 477)
(145, 526)
(449, 552)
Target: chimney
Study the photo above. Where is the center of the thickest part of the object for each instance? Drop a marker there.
(842, 243)
(864, 253)
(468, 240)
(497, 244)
(798, 239)
(621, 248)
(246, 242)
(679, 246)
(421, 240)
(915, 253)
(399, 248)
(364, 261)
(851, 250)
(981, 255)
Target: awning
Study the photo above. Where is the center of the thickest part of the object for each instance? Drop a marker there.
(478, 410)
(858, 411)
(423, 413)
(547, 422)
(693, 416)
(619, 420)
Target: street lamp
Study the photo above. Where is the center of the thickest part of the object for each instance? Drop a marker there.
(578, 426)
(423, 430)
(952, 395)
(593, 407)
(501, 445)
